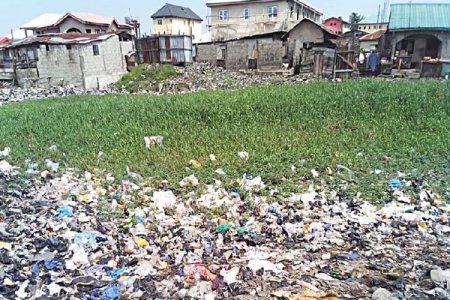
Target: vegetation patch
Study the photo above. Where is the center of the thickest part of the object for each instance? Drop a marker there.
(363, 131)
(146, 77)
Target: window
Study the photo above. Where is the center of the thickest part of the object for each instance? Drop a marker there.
(88, 30)
(68, 47)
(298, 14)
(223, 15)
(246, 13)
(97, 30)
(291, 12)
(47, 48)
(273, 12)
(159, 21)
(95, 50)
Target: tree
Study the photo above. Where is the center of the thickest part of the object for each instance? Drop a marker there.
(354, 20)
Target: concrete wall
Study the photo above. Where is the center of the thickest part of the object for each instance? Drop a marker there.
(207, 53)
(269, 53)
(60, 66)
(307, 32)
(177, 26)
(258, 22)
(368, 45)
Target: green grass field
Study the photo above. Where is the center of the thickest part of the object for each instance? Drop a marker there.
(363, 125)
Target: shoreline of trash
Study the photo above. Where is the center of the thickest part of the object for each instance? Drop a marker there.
(190, 79)
(85, 235)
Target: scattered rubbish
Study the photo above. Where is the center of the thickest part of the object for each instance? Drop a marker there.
(5, 152)
(151, 141)
(223, 227)
(212, 157)
(190, 180)
(86, 235)
(195, 164)
(64, 211)
(220, 172)
(395, 183)
(243, 155)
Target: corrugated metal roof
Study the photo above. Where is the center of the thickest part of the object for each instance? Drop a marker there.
(175, 11)
(373, 36)
(420, 15)
(63, 39)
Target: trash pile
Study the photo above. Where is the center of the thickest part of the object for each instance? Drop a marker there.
(193, 78)
(203, 77)
(11, 94)
(83, 235)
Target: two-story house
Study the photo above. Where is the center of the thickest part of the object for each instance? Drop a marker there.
(337, 25)
(74, 22)
(177, 20)
(231, 19)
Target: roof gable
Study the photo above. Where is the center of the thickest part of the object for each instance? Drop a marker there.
(175, 11)
(419, 15)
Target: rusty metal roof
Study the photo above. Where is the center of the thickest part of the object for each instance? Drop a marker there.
(63, 39)
(373, 36)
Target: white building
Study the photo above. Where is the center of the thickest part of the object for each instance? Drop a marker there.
(231, 19)
(177, 20)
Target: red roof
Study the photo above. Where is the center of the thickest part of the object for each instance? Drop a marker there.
(4, 40)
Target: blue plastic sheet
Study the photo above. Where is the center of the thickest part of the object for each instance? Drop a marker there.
(48, 264)
(395, 183)
(117, 272)
(112, 292)
(85, 238)
(64, 211)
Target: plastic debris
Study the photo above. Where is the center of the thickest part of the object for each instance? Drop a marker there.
(89, 235)
(395, 183)
(151, 141)
(190, 180)
(243, 155)
(223, 227)
(64, 211)
(5, 152)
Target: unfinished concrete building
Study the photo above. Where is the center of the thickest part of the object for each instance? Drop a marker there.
(84, 60)
(234, 19)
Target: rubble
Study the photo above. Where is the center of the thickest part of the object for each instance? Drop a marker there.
(88, 235)
(192, 78)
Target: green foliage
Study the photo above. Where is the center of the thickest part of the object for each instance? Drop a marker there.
(363, 125)
(146, 77)
(354, 20)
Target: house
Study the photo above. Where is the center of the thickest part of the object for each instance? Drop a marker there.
(337, 25)
(177, 20)
(231, 19)
(80, 59)
(372, 27)
(419, 35)
(270, 52)
(74, 22)
(371, 41)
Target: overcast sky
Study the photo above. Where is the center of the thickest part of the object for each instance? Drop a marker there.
(14, 14)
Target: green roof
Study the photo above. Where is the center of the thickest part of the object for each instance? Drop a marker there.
(420, 15)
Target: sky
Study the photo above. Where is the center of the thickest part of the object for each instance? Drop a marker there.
(14, 14)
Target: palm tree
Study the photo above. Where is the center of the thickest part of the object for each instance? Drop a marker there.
(354, 20)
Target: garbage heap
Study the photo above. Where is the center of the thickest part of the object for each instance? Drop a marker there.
(75, 235)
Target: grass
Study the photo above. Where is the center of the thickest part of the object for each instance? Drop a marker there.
(146, 77)
(363, 125)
